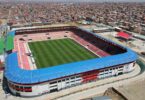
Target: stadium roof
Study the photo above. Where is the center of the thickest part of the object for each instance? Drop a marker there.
(124, 35)
(14, 73)
(12, 33)
(1, 45)
(10, 41)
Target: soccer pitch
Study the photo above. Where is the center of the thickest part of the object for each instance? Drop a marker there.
(55, 52)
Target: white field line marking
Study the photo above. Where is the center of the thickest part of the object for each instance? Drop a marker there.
(30, 59)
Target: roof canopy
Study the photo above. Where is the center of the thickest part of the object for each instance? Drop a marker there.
(9, 43)
(1, 45)
(10, 40)
(124, 35)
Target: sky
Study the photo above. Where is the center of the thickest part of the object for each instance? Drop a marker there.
(80, 0)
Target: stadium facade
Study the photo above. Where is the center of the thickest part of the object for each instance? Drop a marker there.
(114, 60)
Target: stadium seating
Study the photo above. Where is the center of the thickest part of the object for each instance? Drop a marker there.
(92, 47)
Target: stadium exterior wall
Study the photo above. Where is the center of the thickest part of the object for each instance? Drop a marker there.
(66, 82)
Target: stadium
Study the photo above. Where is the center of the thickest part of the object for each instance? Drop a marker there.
(45, 60)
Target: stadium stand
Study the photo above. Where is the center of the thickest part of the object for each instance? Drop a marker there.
(62, 70)
(115, 59)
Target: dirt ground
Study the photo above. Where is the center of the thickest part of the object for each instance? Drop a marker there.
(134, 91)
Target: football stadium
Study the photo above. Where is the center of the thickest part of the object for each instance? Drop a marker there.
(45, 60)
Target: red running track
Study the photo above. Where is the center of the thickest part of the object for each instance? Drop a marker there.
(22, 57)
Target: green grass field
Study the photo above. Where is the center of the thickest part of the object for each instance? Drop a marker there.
(55, 52)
